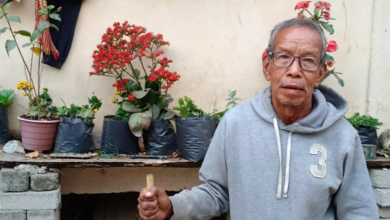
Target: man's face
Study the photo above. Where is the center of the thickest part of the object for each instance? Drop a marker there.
(292, 85)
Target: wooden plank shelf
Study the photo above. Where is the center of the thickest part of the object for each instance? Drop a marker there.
(11, 160)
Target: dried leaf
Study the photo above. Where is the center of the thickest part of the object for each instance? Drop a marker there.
(387, 156)
(34, 154)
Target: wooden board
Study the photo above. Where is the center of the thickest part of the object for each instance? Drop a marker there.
(378, 162)
(11, 160)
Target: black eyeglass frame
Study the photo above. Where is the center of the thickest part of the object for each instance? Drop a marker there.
(271, 54)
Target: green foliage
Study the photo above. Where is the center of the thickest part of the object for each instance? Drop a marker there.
(6, 97)
(232, 102)
(358, 120)
(122, 114)
(187, 108)
(42, 109)
(86, 112)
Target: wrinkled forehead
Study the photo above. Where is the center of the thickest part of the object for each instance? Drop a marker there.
(298, 39)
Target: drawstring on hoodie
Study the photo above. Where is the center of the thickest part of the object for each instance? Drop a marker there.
(288, 158)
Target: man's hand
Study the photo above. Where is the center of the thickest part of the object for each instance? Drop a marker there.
(154, 204)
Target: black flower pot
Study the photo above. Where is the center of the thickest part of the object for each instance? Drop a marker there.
(117, 137)
(368, 135)
(194, 135)
(160, 138)
(73, 136)
(4, 132)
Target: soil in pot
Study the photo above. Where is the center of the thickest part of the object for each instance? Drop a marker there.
(74, 136)
(4, 130)
(368, 135)
(117, 137)
(194, 135)
(38, 135)
(160, 138)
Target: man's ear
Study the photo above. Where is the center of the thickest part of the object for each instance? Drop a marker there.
(323, 71)
(266, 65)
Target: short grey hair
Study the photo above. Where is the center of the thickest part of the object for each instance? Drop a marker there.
(298, 22)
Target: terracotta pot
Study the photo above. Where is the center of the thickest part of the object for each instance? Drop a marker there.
(38, 135)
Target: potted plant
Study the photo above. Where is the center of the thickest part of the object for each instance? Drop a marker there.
(6, 97)
(143, 97)
(195, 129)
(74, 133)
(232, 102)
(39, 125)
(366, 127)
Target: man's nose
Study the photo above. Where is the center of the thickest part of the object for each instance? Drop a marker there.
(295, 69)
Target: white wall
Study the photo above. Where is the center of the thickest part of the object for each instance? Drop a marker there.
(215, 46)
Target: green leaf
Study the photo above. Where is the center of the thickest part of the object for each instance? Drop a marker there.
(6, 5)
(51, 7)
(3, 30)
(316, 13)
(35, 35)
(55, 17)
(130, 107)
(84, 113)
(140, 121)
(43, 25)
(329, 58)
(6, 97)
(9, 45)
(155, 111)
(26, 44)
(328, 27)
(169, 114)
(161, 102)
(341, 81)
(55, 27)
(136, 73)
(151, 97)
(24, 33)
(43, 11)
(140, 94)
(14, 19)
(132, 86)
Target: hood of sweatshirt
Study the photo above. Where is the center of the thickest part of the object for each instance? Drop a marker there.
(330, 107)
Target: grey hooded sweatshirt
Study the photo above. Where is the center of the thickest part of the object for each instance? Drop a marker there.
(258, 168)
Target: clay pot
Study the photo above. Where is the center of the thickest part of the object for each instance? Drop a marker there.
(38, 135)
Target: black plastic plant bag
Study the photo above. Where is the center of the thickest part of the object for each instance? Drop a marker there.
(194, 135)
(368, 135)
(4, 132)
(160, 138)
(73, 136)
(117, 138)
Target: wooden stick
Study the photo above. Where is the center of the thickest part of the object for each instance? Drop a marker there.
(149, 181)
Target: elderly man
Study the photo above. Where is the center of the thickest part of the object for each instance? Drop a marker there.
(288, 154)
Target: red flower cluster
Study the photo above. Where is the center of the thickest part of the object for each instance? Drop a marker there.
(167, 77)
(332, 46)
(302, 5)
(123, 43)
(131, 96)
(322, 5)
(120, 84)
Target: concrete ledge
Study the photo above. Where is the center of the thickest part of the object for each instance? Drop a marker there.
(380, 178)
(12, 215)
(14, 181)
(384, 212)
(44, 182)
(43, 214)
(382, 197)
(30, 200)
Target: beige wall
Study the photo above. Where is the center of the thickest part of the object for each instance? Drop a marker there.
(215, 46)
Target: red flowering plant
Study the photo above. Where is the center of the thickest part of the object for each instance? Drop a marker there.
(144, 96)
(321, 15)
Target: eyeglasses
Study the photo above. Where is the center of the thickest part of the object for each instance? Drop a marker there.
(285, 60)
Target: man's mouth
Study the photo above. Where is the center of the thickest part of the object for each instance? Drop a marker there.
(293, 87)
